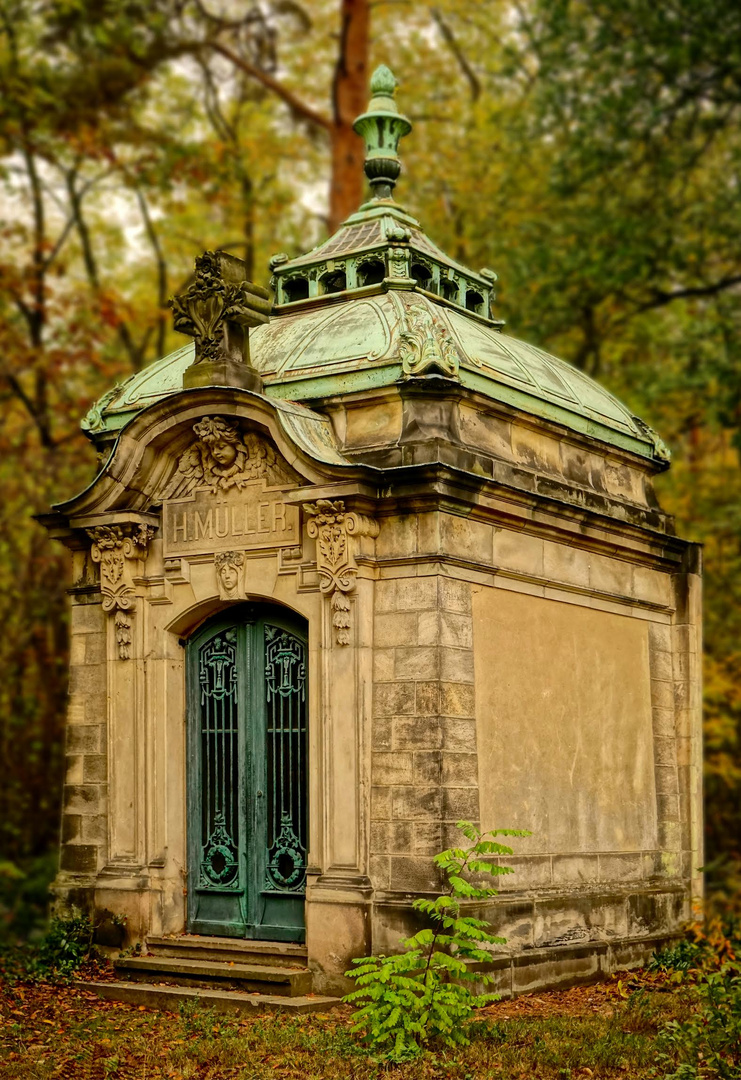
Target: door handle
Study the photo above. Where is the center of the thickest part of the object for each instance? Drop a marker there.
(259, 794)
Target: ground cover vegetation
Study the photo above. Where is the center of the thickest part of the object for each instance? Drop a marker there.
(678, 1021)
(587, 151)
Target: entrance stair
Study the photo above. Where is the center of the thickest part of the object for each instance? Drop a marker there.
(225, 974)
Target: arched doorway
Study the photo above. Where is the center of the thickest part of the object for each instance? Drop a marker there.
(247, 774)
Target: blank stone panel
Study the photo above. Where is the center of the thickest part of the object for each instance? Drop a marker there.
(565, 740)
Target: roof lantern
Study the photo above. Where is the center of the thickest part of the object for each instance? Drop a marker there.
(381, 246)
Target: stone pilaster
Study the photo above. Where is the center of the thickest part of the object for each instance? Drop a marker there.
(84, 816)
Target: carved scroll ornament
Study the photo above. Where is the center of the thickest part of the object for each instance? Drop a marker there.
(425, 343)
(223, 457)
(336, 532)
(118, 549)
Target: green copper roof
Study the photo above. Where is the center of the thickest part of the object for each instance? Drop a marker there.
(379, 302)
(365, 343)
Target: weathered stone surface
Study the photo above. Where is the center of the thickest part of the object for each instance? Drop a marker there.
(416, 663)
(560, 692)
(416, 803)
(427, 767)
(94, 769)
(416, 594)
(392, 768)
(84, 738)
(82, 798)
(79, 858)
(393, 699)
(416, 733)
(395, 628)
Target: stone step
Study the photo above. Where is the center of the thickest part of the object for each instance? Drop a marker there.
(169, 998)
(254, 978)
(196, 946)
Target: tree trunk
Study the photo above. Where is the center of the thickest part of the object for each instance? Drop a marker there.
(349, 100)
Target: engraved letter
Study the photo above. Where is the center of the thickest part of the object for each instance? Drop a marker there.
(222, 521)
(248, 531)
(182, 527)
(279, 515)
(204, 528)
(263, 525)
(235, 530)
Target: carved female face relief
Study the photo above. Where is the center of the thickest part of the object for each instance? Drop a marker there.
(229, 568)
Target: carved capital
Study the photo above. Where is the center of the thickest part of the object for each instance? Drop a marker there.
(218, 308)
(336, 532)
(118, 549)
(425, 343)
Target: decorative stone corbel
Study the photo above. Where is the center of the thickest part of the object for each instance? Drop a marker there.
(119, 549)
(425, 343)
(336, 532)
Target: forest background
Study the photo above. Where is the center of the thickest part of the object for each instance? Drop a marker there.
(587, 150)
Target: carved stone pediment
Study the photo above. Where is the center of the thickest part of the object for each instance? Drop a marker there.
(225, 457)
(227, 493)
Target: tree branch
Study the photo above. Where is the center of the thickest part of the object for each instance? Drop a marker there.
(452, 42)
(161, 269)
(661, 298)
(297, 107)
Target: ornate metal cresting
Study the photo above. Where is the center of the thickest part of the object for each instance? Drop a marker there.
(217, 673)
(337, 532)
(285, 691)
(223, 456)
(218, 309)
(426, 345)
(118, 549)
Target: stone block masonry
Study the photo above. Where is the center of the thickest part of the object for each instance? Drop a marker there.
(84, 813)
(424, 762)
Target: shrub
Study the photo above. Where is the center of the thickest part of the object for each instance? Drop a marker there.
(426, 992)
(707, 1046)
(67, 944)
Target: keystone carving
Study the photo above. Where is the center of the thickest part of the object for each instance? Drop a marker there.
(222, 457)
(218, 308)
(229, 574)
(119, 549)
(426, 345)
(336, 532)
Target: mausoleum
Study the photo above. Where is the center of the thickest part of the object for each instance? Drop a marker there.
(357, 565)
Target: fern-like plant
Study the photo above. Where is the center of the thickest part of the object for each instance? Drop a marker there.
(426, 992)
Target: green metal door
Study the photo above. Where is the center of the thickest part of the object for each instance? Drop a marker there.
(247, 776)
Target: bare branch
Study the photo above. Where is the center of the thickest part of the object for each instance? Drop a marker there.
(453, 44)
(300, 110)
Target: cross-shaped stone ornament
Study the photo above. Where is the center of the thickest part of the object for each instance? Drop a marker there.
(218, 309)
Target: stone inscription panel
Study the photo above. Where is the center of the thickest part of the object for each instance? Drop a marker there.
(250, 518)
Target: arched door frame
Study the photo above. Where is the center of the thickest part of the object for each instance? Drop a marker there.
(247, 747)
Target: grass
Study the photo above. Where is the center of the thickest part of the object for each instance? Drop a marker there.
(57, 1031)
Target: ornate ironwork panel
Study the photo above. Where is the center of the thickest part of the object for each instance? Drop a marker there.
(219, 735)
(285, 693)
(247, 776)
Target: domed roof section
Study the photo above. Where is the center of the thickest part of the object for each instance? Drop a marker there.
(379, 303)
(377, 340)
